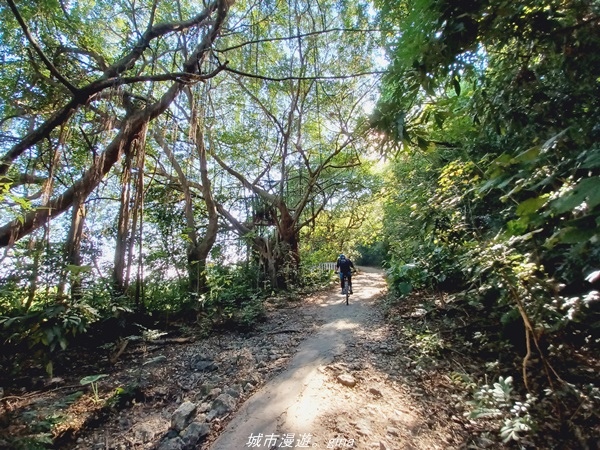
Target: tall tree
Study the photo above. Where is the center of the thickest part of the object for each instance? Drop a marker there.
(198, 245)
(300, 129)
(104, 91)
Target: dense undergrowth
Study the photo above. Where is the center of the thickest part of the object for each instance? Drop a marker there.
(47, 344)
(39, 337)
(492, 109)
(476, 358)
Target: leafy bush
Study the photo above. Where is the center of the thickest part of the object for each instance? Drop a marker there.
(48, 329)
(166, 295)
(403, 278)
(372, 255)
(500, 403)
(313, 277)
(232, 300)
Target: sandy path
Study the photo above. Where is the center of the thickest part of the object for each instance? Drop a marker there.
(305, 406)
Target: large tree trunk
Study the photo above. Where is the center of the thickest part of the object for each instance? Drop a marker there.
(138, 214)
(74, 247)
(118, 276)
(279, 256)
(286, 251)
(195, 266)
(73, 252)
(198, 247)
(210, 236)
(36, 249)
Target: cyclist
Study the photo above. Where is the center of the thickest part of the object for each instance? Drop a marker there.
(345, 267)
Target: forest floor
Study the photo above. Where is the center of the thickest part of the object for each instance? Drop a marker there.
(317, 373)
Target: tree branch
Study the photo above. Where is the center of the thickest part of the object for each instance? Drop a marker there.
(111, 79)
(180, 77)
(53, 70)
(154, 32)
(299, 36)
(79, 51)
(316, 78)
(131, 126)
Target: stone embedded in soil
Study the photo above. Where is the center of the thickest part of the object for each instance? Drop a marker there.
(203, 364)
(375, 391)
(204, 407)
(346, 379)
(362, 428)
(222, 405)
(183, 415)
(145, 432)
(194, 433)
(172, 444)
(392, 431)
(235, 391)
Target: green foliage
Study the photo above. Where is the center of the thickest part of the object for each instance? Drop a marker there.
(39, 441)
(92, 380)
(494, 112)
(40, 423)
(403, 278)
(233, 299)
(499, 402)
(123, 395)
(523, 177)
(313, 277)
(46, 330)
(166, 295)
(426, 222)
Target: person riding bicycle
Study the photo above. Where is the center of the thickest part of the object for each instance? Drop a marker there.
(345, 267)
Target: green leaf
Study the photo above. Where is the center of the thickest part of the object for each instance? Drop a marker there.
(531, 205)
(593, 191)
(49, 334)
(550, 142)
(91, 379)
(517, 227)
(528, 155)
(9, 321)
(587, 189)
(439, 118)
(456, 84)
(78, 269)
(504, 160)
(592, 161)
(422, 143)
(571, 235)
(49, 368)
(404, 288)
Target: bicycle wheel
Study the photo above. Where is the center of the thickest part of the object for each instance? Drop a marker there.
(347, 289)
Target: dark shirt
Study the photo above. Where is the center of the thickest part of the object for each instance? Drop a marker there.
(344, 265)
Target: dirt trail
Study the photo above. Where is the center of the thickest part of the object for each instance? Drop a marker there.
(312, 403)
(316, 374)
